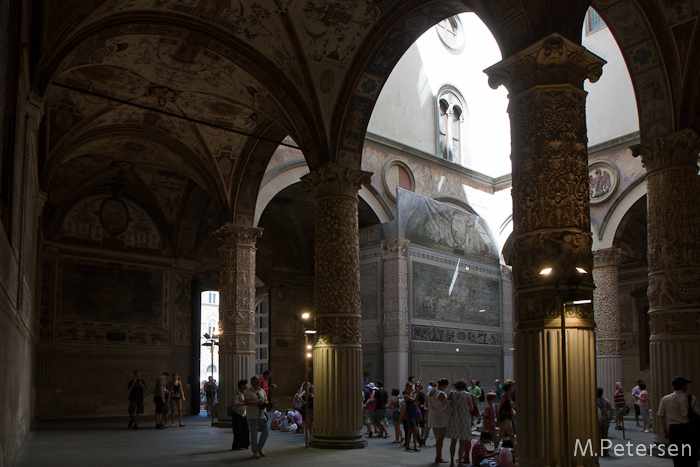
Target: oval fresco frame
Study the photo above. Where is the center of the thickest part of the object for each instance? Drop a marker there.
(603, 180)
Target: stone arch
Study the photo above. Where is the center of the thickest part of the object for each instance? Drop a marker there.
(605, 234)
(651, 56)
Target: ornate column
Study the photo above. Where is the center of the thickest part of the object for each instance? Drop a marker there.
(396, 332)
(673, 229)
(236, 308)
(606, 308)
(554, 332)
(337, 356)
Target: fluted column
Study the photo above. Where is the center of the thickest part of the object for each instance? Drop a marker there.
(673, 229)
(396, 335)
(236, 308)
(554, 338)
(337, 355)
(606, 308)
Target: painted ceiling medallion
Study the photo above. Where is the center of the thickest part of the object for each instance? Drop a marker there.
(163, 93)
(114, 216)
(602, 177)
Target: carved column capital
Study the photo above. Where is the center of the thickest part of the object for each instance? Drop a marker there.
(235, 235)
(553, 60)
(672, 150)
(395, 248)
(606, 257)
(336, 180)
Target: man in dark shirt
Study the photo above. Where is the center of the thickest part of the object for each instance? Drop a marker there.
(382, 398)
(135, 387)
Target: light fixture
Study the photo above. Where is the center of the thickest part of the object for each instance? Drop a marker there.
(481, 311)
(457, 350)
(308, 347)
(512, 349)
(545, 271)
(581, 270)
(305, 315)
(581, 302)
(308, 355)
(310, 331)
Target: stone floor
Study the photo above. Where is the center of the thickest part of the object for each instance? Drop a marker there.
(108, 443)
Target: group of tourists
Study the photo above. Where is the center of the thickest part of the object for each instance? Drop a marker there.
(450, 413)
(167, 395)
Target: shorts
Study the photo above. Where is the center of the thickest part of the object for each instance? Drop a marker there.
(379, 416)
(366, 417)
(396, 417)
(135, 407)
(637, 412)
(645, 412)
(175, 399)
(159, 404)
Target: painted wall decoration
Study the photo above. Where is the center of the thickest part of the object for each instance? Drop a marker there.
(110, 294)
(470, 294)
(602, 179)
(441, 227)
(441, 334)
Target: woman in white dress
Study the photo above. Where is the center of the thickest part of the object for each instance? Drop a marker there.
(459, 425)
(438, 418)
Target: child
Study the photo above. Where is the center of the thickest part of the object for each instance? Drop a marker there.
(506, 455)
(490, 415)
(481, 455)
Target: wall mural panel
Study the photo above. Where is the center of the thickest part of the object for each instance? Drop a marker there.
(435, 225)
(110, 294)
(471, 293)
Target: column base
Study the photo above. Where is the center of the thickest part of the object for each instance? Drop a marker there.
(321, 442)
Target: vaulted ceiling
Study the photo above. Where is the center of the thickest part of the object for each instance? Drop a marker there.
(178, 105)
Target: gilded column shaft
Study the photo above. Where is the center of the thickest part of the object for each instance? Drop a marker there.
(337, 355)
(554, 339)
(673, 223)
(396, 331)
(236, 308)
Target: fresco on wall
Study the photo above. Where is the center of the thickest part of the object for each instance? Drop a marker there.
(435, 225)
(111, 295)
(470, 294)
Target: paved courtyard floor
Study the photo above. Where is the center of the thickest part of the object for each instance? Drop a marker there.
(107, 442)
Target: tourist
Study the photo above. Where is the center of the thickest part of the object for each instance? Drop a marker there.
(635, 392)
(239, 420)
(482, 456)
(605, 413)
(643, 402)
(506, 415)
(438, 418)
(159, 399)
(499, 389)
(490, 421)
(394, 405)
(411, 414)
(366, 396)
(135, 387)
(210, 391)
(176, 398)
(619, 402)
(266, 383)
(381, 398)
(459, 424)
(506, 455)
(256, 402)
(673, 414)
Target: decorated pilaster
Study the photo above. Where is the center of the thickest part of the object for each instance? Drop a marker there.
(607, 317)
(673, 229)
(236, 308)
(396, 336)
(554, 337)
(337, 355)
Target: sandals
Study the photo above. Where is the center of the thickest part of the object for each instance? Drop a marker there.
(181, 424)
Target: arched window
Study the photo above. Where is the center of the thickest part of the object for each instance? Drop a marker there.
(451, 126)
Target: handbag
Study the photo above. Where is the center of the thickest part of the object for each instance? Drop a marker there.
(448, 407)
